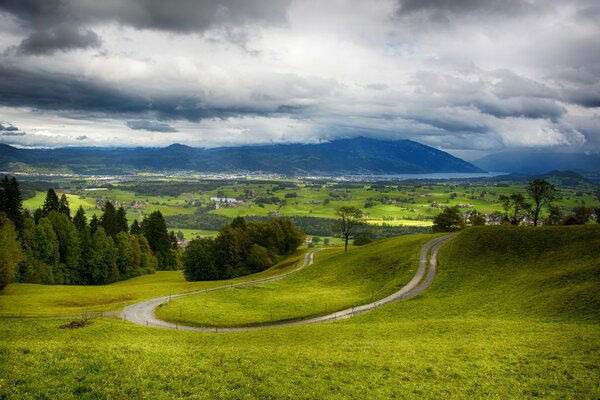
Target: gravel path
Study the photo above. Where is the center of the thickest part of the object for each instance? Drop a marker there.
(144, 313)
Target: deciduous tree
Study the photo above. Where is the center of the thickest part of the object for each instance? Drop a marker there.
(349, 217)
(541, 192)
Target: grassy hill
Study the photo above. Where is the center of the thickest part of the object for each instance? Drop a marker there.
(513, 313)
(336, 281)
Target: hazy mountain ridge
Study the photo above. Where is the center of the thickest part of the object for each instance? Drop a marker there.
(347, 156)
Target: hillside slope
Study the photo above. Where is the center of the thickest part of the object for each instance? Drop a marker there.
(548, 273)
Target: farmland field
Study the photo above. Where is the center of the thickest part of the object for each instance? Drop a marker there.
(190, 204)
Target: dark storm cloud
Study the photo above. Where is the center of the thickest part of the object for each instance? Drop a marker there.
(62, 92)
(151, 126)
(440, 8)
(173, 15)
(7, 129)
(59, 38)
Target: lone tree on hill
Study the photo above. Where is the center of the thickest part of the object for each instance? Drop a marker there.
(349, 217)
(450, 219)
(541, 192)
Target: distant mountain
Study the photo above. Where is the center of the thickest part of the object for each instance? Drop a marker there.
(532, 162)
(347, 156)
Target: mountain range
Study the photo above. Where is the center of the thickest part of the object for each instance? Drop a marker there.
(340, 157)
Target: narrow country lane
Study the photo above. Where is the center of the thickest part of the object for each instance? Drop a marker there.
(144, 313)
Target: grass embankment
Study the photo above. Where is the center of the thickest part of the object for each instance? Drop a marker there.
(336, 281)
(502, 320)
(31, 300)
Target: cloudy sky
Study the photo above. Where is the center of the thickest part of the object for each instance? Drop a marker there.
(466, 76)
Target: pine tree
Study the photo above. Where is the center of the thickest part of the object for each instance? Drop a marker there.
(11, 202)
(108, 220)
(80, 220)
(63, 206)
(94, 224)
(135, 228)
(51, 203)
(154, 229)
(121, 220)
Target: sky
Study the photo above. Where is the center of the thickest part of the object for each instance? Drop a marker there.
(470, 77)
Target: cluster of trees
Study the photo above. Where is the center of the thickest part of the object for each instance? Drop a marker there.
(517, 208)
(240, 248)
(51, 247)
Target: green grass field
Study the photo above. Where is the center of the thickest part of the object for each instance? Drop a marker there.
(336, 281)
(513, 313)
(32, 300)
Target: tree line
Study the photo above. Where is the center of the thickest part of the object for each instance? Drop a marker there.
(518, 209)
(52, 247)
(240, 248)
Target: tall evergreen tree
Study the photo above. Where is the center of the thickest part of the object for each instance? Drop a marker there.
(63, 206)
(108, 220)
(135, 228)
(11, 202)
(80, 220)
(121, 220)
(94, 224)
(154, 230)
(51, 203)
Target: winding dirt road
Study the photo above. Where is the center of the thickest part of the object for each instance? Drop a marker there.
(144, 313)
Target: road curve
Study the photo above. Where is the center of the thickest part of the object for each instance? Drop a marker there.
(144, 313)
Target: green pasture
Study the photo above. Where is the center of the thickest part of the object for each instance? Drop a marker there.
(32, 300)
(336, 281)
(513, 313)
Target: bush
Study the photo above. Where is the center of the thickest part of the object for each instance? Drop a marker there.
(361, 240)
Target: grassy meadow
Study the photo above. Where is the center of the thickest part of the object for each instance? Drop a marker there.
(335, 282)
(32, 300)
(513, 313)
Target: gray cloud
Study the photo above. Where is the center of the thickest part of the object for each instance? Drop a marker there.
(152, 126)
(174, 15)
(62, 37)
(7, 129)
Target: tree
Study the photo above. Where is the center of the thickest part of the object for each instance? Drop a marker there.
(51, 203)
(63, 206)
(555, 216)
(68, 246)
(121, 221)
(582, 215)
(108, 220)
(11, 202)
(155, 231)
(449, 220)
(80, 220)
(10, 251)
(475, 218)
(515, 208)
(135, 228)
(227, 252)
(238, 223)
(124, 255)
(349, 217)
(199, 263)
(94, 224)
(541, 192)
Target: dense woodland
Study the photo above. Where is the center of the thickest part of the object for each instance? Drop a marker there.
(54, 247)
(241, 248)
